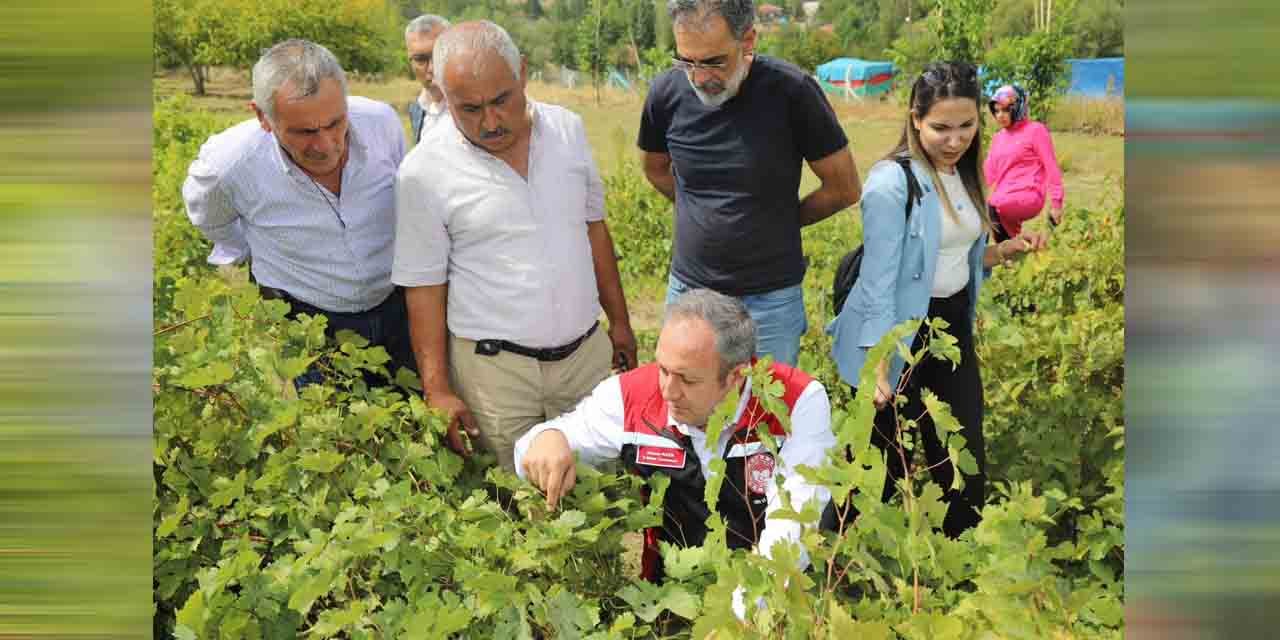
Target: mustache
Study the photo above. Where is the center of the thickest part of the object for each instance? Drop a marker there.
(496, 133)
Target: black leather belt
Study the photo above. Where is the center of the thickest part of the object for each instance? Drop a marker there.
(492, 347)
(297, 306)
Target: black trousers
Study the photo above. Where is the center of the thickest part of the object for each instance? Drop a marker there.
(386, 325)
(960, 388)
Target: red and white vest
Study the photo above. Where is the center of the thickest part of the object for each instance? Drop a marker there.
(655, 447)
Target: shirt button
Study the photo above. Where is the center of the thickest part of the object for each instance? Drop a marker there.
(915, 234)
(915, 277)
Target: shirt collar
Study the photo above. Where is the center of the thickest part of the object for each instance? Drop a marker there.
(428, 105)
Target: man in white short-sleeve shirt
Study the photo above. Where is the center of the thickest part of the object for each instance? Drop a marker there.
(502, 247)
(308, 191)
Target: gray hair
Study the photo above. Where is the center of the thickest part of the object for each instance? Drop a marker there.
(739, 14)
(300, 63)
(425, 23)
(735, 330)
(474, 38)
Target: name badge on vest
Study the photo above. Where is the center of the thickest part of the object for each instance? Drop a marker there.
(759, 472)
(669, 457)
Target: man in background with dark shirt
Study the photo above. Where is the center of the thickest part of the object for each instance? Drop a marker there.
(723, 135)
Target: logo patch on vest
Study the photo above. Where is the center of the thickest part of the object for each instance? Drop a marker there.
(671, 458)
(759, 472)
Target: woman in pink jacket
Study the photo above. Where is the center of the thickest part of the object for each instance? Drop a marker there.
(1021, 166)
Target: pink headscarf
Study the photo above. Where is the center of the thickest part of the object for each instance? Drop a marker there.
(1013, 97)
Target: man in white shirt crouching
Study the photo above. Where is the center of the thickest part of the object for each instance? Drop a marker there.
(654, 420)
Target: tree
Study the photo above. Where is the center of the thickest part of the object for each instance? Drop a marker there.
(795, 8)
(198, 34)
(892, 16)
(534, 38)
(1037, 62)
(642, 24)
(1011, 18)
(853, 21)
(366, 36)
(408, 9)
(804, 48)
(917, 45)
(1099, 28)
(564, 44)
(1097, 25)
(590, 44)
(961, 27)
(570, 10)
(663, 37)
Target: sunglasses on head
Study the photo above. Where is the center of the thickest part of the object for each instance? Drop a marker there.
(940, 72)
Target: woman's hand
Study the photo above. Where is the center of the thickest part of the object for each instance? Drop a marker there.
(1026, 242)
(1019, 246)
(1055, 215)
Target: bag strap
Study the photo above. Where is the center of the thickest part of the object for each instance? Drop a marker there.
(914, 192)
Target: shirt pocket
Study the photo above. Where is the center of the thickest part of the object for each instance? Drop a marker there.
(565, 193)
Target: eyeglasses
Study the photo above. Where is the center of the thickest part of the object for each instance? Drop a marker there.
(688, 66)
(421, 58)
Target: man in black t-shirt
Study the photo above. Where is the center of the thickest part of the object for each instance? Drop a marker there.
(723, 135)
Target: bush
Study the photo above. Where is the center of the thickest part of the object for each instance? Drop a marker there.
(337, 512)
(638, 215)
(1052, 346)
(805, 48)
(179, 250)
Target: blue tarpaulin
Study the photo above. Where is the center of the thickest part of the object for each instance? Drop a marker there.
(1091, 78)
(856, 77)
(845, 69)
(1096, 78)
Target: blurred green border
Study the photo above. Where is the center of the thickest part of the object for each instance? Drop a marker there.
(75, 486)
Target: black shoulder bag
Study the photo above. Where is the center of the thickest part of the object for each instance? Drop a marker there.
(851, 263)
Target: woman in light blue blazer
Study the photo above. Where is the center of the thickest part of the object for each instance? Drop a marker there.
(929, 266)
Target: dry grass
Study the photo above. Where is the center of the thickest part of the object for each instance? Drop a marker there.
(1097, 116)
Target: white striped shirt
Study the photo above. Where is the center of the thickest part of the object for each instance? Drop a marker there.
(248, 197)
